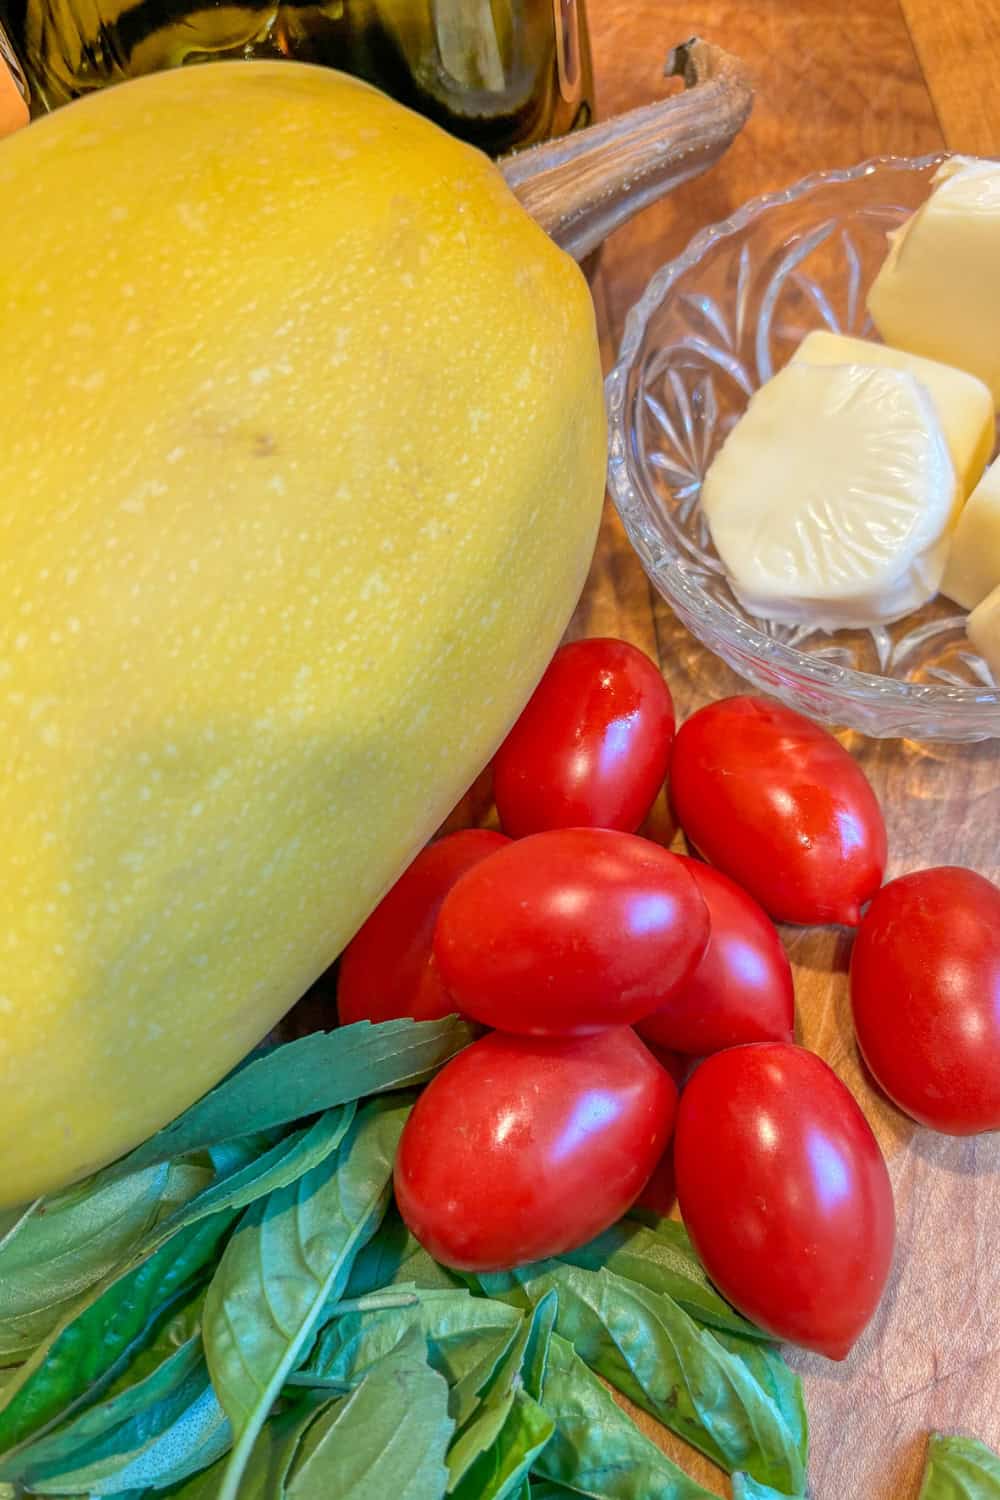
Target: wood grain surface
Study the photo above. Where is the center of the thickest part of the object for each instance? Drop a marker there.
(837, 83)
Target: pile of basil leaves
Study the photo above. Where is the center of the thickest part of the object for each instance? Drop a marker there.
(235, 1311)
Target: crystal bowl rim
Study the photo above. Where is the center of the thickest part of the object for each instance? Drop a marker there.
(848, 683)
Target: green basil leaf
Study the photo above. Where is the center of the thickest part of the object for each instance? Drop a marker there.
(393, 1256)
(290, 1253)
(960, 1468)
(482, 1355)
(663, 1262)
(278, 1167)
(480, 1347)
(482, 1430)
(233, 1155)
(501, 1471)
(90, 1349)
(745, 1488)
(201, 1486)
(194, 1438)
(153, 1390)
(387, 1439)
(62, 1246)
(302, 1078)
(276, 1448)
(459, 1329)
(653, 1352)
(597, 1449)
(778, 1380)
(271, 1460)
(536, 1353)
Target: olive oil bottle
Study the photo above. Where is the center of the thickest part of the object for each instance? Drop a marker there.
(500, 73)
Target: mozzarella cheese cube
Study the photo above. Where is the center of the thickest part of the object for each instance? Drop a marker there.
(983, 630)
(831, 499)
(973, 567)
(938, 292)
(963, 403)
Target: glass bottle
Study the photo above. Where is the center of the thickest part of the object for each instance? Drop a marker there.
(499, 73)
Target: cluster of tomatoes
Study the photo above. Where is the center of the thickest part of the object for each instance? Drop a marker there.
(609, 969)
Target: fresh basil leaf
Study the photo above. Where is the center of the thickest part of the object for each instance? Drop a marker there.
(151, 1393)
(670, 1230)
(276, 1448)
(233, 1155)
(201, 1486)
(279, 1167)
(458, 1328)
(536, 1353)
(597, 1449)
(483, 1428)
(745, 1488)
(301, 1380)
(662, 1262)
(503, 1468)
(648, 1348)
(62, 1246)
(482, 1356)
(387, 1439)
(196, 1436)
(302, 1078)
(290, 1253)
(479, 1347)
(91, 1348)
(393, 1256)
(778, 1380)
(271, 1460)
(186, 1178)
(960, 1468)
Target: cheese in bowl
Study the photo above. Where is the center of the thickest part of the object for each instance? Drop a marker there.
(832, 498)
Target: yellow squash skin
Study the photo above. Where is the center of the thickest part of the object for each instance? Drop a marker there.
(302, 451)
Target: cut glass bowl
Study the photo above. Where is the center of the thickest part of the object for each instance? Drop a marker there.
(710, 328)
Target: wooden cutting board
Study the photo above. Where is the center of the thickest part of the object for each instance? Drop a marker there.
(835, 84)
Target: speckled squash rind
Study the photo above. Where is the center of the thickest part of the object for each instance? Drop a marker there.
(301, 461)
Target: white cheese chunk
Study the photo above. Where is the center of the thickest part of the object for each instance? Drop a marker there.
(963, 403)
(938, 292)
(831, 499)
(983, 630)
(973, 567)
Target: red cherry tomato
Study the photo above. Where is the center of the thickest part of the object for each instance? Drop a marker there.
(388, 969)
(592, 746)
(785, 1193)
(568, 931)
(778, 804)
(521, 1148)
(925, 990)
(742, 990)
